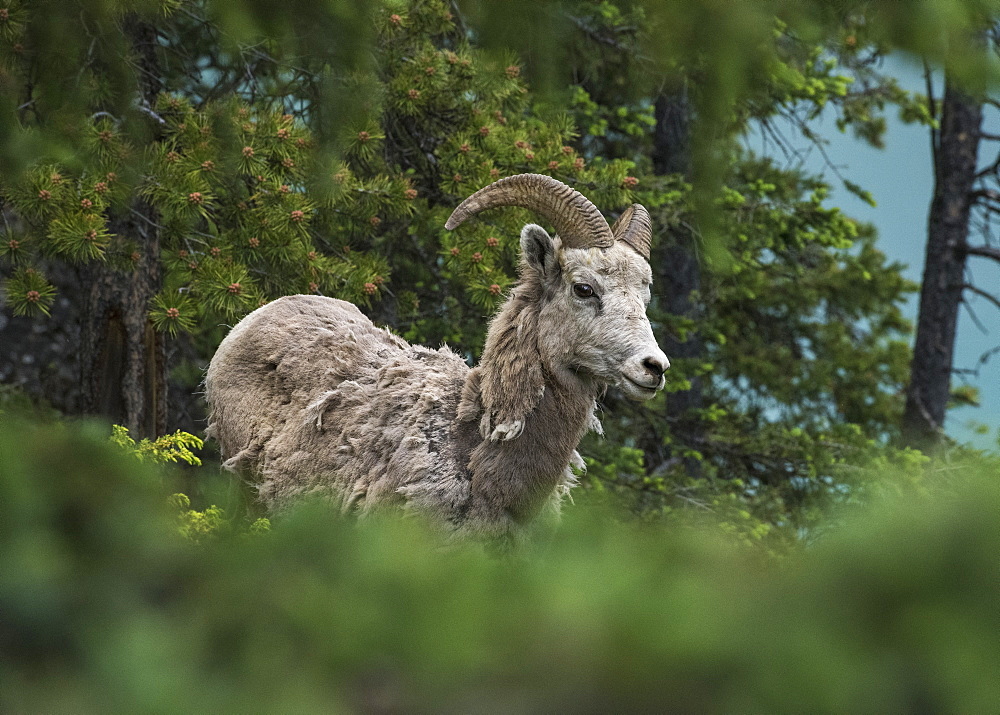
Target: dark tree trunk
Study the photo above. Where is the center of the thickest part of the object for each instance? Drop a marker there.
(677, 273)
(122, 357)
(672, 134)
(122, 362)
(941, 292)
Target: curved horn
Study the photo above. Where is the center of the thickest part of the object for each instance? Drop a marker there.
(577, 221)
(635, 228)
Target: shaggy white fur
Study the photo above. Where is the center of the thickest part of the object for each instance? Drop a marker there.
(308, 397)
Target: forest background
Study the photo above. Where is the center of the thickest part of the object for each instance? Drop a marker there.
(170, 165)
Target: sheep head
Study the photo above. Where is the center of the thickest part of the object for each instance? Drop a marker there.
(594, 282)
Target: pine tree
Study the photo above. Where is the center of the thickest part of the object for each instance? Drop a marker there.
(228, 189)
(243, 202)
(784, 369)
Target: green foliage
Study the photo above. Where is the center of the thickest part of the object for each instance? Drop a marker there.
(801, 372)
(105, 606)
(803, 347)
(197, 526)
(809, 319)
(29, 293)
(212, 523)
(15, 401)
(174, 447)
(250, 204)
(234, 215)
(742, 60)
(210, 49)
(452, 120)
(260, 186)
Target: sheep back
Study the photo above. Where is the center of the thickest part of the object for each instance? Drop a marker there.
(307, 396)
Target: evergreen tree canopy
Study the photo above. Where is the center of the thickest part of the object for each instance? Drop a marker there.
(213, 155)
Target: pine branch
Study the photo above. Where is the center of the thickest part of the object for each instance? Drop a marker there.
(982, 293)
(144, 107)
(934, 133)
(975, 318)
(983, 251)
(991, 169)
(985, 357)
(991, 195)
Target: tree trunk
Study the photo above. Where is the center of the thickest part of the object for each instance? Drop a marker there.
(122, 358)
(941, 291)
(677, 274)
(672, 134)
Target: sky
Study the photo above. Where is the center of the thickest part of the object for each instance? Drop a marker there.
(900, 177)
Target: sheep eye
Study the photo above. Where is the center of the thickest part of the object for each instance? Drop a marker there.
(583, 290)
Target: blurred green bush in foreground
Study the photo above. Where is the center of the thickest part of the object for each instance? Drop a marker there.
(106, 607)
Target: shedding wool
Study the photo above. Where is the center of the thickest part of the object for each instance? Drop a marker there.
(308, 398)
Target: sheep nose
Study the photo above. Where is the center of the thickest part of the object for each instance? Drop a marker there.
(656, 364)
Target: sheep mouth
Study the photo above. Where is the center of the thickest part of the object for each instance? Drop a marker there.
(640, 390)
(654, 388)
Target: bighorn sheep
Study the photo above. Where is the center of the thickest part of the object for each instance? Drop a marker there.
(307, 396)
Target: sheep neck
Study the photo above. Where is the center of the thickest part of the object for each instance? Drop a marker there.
(516, 381)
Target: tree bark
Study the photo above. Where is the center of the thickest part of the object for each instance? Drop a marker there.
(122, 359)
(672, 133)
(122, 356)
(677, 274)
(955, 155)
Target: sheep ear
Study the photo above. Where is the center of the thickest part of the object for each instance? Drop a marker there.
(537, 248)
